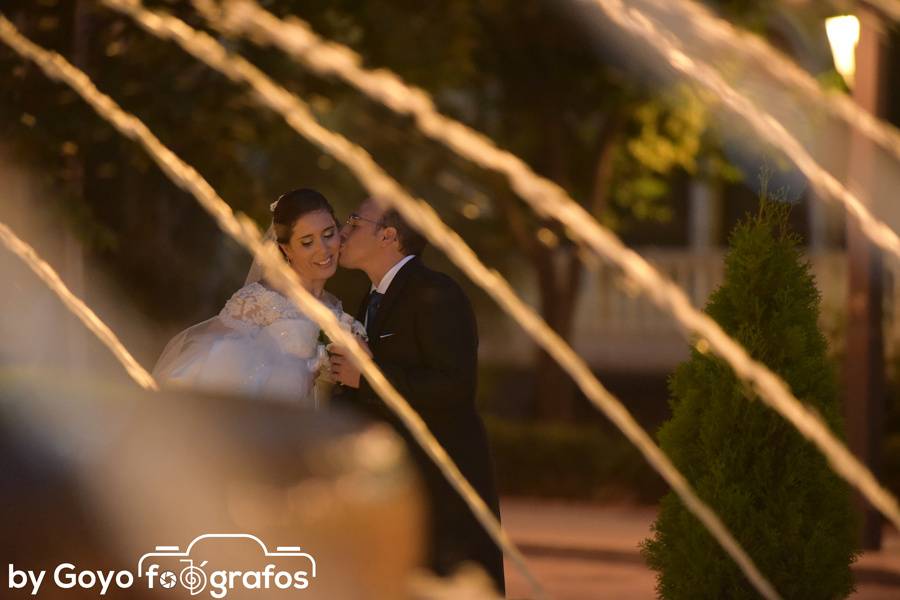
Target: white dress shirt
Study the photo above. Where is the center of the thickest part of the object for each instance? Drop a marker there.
(385, 282)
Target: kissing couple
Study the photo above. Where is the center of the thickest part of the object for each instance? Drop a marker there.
(416, 323)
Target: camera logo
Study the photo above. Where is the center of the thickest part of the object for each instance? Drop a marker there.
(168, 566)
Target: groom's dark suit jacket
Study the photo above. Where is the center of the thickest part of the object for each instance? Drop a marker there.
(425, 340)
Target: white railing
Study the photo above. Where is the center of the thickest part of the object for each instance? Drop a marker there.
(614, 328)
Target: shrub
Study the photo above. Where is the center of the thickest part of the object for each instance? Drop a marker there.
(773, 489)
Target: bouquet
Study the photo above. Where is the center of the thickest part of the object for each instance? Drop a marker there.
(323, 364)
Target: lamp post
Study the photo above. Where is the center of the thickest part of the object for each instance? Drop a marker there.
(858, 47)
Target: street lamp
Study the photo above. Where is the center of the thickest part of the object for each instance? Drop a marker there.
(843, 36)
(859, 50)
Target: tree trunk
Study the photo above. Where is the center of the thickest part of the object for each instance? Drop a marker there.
(75, 337)
(558, 268)
(560, 274)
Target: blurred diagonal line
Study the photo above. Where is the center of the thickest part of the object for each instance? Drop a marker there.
(809, 424)
(244, 231)
(423, 217)
(712, 28)
(76, 306)
(297, 39)
(764, 124)
(549, 200)
(889, 8)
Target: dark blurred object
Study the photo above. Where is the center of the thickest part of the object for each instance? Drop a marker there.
(97, 476)
(572, 462)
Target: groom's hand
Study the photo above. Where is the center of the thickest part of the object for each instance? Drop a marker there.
(343, 370)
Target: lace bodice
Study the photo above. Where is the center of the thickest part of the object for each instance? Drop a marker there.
(255, 305)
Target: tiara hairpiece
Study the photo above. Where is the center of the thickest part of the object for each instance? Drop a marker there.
(274, 205)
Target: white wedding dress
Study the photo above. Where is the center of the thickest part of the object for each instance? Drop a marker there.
(259, 345)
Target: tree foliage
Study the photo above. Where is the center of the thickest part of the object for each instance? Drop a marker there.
(772, 488)
(521, 72)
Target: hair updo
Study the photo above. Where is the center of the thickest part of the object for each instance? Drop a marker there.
(291, 206)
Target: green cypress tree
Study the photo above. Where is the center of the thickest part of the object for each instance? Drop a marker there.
(773, 489)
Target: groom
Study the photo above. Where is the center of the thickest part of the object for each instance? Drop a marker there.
(423, 337)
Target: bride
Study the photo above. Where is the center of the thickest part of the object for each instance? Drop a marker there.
(260, 344)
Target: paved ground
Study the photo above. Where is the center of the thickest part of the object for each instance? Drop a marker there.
(586, 551)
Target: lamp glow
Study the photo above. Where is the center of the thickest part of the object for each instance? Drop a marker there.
(843, 36)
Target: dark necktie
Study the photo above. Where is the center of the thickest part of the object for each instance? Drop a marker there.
(371, 309)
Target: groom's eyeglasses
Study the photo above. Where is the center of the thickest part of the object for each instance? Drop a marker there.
(354, 219)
